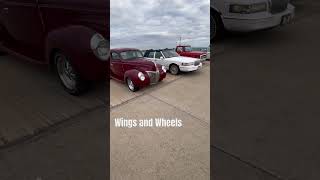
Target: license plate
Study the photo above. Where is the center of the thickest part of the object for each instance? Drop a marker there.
(286, 19)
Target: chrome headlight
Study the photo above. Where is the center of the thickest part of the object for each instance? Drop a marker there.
(99, 46)
(141, 76)
(187, 64)
(164, 69)
(248, 9)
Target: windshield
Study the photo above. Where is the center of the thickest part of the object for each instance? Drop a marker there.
(132, 54)
(188, 49)
(169, 53)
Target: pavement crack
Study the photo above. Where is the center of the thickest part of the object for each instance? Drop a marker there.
(202, 122)
(44, 132)
(261, 169)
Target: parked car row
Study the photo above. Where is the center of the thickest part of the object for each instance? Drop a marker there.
(137, 69)
(75, 45)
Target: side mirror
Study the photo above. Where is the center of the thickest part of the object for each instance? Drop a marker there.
(161, 58)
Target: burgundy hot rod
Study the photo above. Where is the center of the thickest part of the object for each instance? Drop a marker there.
(68, 35)
(128, 65)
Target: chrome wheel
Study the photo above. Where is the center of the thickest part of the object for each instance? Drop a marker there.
(174, 69)
(66, 72)
(130, 84)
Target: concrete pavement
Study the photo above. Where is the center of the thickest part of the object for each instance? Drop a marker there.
(58, 136)
(46, 133)
(163, 153)
(72, 150)
(266, 102)
(32, 100)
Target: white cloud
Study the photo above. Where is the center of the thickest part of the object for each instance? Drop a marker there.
(159, 23)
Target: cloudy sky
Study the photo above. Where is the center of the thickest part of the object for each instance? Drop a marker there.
(159, 23)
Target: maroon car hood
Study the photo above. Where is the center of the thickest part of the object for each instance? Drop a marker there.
(141, 63)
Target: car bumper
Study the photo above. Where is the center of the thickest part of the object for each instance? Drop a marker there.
(146, 82)
(190, 68)
(254, 23)
(203, 59)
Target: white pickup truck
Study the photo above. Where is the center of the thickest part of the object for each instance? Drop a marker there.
(248, 15)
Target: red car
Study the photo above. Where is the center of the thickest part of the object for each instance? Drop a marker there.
(188, 52)
(128, 65)
(69, 36)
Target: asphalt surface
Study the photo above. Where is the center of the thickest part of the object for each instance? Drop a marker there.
(266, 99)
(163, 153)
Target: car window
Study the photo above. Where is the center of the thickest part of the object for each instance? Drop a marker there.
(115, 56)
(169, 53)
(179, 49)
(188, 49)
(131, 54)
(151, 55)
(158, 55)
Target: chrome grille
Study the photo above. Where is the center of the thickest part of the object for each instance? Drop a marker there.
(154, 76)
(278, 6)
(197, 63)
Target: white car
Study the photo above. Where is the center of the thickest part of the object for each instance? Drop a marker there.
(172, 61)
(248, 15)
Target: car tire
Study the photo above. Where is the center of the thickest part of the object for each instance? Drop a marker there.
(69, 78)
(132, 87)
(174, 69)
(216, 26)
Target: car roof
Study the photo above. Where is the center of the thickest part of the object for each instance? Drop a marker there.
(157, 50)
(118, 50)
